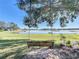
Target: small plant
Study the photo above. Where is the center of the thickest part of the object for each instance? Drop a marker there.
(68, 44)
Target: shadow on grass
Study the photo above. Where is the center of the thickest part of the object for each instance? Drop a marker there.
(11, 43)
(15, 53)
(18, 54)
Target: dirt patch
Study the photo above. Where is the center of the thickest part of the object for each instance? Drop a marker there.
(45, 53)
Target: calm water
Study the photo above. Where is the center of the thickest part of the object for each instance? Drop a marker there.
(47, 31)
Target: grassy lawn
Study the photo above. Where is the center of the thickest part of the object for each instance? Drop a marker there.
(12, 35)
(9, 48)
(15, 36)
(13, 45)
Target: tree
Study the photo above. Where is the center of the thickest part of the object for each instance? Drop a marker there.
(2, 25)
(49, 11)
(13, 26)
(8, 26)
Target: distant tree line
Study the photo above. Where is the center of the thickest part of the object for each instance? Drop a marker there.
(10, 26)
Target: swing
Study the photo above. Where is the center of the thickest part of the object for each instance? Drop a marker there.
(30, 42)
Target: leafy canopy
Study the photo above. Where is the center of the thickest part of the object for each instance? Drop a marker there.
(49, 11)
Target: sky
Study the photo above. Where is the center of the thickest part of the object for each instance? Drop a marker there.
(9, 12)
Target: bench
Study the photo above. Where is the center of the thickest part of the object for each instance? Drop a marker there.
(40, 43)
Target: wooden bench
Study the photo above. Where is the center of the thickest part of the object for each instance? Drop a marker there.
(40, 43)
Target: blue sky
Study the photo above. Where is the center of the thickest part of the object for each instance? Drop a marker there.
(9, 12)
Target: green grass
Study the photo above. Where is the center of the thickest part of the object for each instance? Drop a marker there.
(13, 45)
(1, 30)
(14, 36)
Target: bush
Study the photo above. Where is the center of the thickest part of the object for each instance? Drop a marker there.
(68, 43)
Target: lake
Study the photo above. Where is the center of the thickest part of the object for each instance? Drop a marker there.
(48, 31)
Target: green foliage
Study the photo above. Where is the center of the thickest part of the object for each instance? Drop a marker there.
(68, 43)
(13, 26)
(8, 26)
(49, 11)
